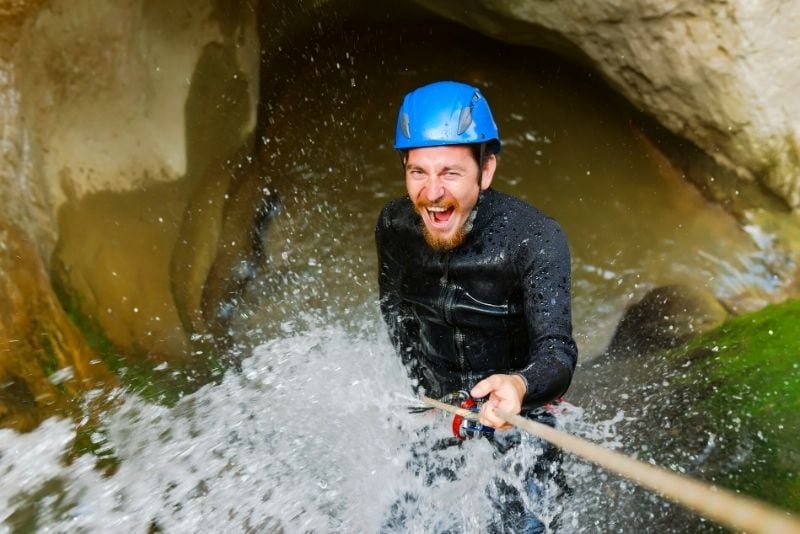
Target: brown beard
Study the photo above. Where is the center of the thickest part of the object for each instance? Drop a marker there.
(435, 242)
(440, 243)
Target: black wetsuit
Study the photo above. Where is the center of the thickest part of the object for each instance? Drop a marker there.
(497, 303)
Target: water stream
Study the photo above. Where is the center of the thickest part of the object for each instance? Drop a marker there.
(313, 435)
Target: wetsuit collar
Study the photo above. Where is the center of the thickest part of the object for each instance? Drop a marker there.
(473, 216)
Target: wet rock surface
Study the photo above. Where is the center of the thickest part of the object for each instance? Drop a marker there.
(111, 115)
(45, 362)
(666, 317)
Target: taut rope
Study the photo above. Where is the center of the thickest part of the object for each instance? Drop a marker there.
(720, 505)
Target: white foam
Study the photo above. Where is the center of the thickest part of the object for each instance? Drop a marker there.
(312, 435)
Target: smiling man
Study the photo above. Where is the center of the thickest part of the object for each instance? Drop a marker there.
(474, 283)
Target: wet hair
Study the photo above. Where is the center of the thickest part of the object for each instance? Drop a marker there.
(476, 149)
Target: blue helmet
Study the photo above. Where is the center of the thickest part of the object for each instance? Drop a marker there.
(445, 113)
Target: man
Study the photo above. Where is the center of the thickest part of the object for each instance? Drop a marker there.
(474, 284)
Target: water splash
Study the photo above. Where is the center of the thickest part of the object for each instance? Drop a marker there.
(313, 435)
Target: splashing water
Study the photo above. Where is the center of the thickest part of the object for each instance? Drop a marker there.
(313, 435)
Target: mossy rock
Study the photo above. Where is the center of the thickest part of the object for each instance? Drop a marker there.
(725, 408)
(746, 379)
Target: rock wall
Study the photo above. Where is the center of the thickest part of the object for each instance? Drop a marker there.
(114, 115)
(718, 73)
(104, 89)
(45, 362)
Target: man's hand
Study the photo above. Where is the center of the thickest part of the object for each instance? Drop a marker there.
(505, 392)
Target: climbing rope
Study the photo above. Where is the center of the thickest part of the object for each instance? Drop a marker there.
(719, 505)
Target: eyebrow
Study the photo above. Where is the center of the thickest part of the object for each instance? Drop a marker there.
(454, 168)
(414, 166)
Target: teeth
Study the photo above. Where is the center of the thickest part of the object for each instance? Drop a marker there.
(437, 209)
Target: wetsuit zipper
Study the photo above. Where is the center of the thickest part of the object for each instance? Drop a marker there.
(447, 303)
(459, 341)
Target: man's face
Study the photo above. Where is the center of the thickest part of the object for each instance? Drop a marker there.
(442, 182)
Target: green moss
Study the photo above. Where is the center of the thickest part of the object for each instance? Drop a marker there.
(745, 379)
(49, 363)
(145, 377)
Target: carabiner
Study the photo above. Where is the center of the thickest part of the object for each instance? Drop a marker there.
(466, 428)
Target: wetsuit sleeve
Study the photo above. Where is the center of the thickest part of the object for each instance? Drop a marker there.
(396, 313)
(548, 313)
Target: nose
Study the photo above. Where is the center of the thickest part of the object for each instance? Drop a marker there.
(434, 190)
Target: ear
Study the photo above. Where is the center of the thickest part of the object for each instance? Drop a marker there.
(489, 165)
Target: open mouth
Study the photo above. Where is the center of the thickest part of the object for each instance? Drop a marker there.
(440, 214)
